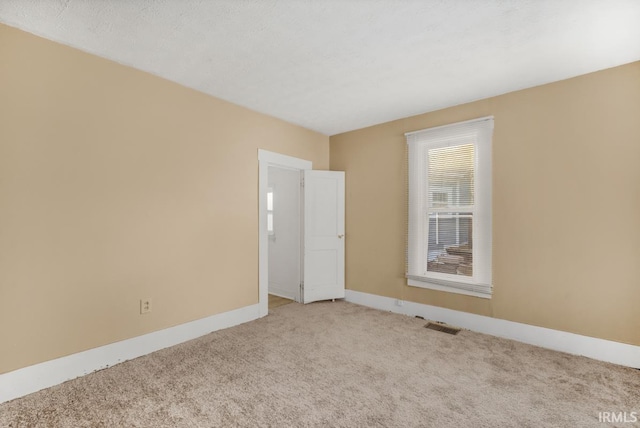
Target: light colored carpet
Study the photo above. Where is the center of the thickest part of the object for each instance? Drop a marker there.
(338, 364)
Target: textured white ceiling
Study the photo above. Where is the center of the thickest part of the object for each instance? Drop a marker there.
(334, 66)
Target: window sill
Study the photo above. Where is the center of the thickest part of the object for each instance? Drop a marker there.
(449, 289)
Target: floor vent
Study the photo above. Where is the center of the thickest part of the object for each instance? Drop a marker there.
(442, 327)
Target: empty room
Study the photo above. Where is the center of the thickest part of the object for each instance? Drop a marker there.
(282, 213)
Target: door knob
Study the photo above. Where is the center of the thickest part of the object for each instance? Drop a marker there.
(340, 236)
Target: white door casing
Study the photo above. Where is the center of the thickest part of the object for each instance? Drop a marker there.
(324, 240)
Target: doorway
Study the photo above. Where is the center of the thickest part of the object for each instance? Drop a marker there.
(283, 227)
(269, 160)
(319, 268)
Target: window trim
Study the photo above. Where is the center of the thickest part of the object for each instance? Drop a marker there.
(479, 131)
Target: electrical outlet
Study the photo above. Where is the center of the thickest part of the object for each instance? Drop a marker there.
(145, 306)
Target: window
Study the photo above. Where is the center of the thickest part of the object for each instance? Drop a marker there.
(449, 230)
(270, 229)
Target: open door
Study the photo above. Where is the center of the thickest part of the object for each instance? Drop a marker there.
(323, 276)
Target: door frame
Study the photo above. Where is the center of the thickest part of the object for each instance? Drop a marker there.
(265, 160)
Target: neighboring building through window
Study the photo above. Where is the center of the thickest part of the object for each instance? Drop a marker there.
(449, 233)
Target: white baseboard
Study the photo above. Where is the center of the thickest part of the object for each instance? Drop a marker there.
(30, 379)
(598, 349)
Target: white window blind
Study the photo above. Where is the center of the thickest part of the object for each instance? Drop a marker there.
(449, 227)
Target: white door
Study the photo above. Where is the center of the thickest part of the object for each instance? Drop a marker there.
(323, 235)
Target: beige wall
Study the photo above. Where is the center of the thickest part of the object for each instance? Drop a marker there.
(566, 205)
(116, 185)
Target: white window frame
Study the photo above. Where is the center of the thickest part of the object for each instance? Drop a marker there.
(478, 132)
